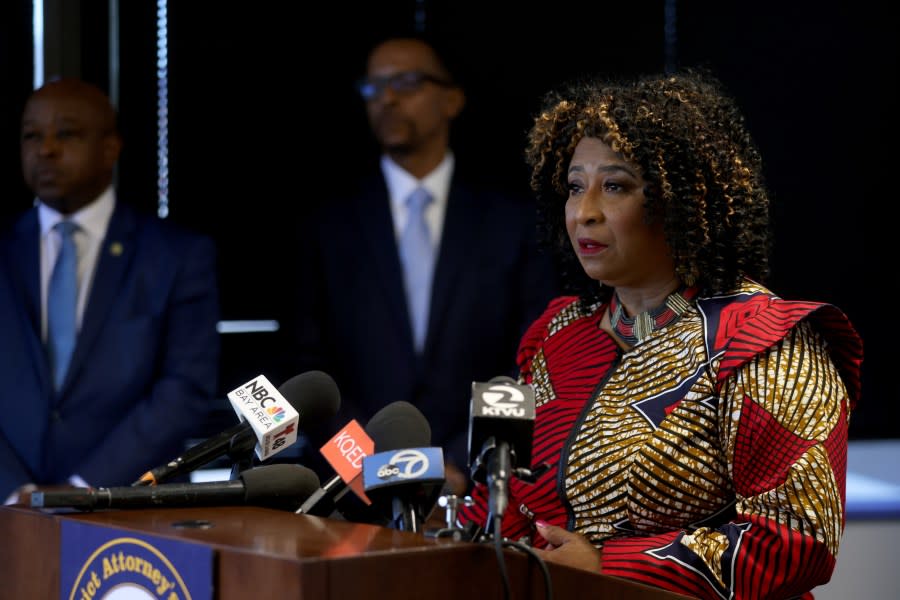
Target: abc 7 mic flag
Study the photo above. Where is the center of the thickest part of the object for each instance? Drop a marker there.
(273, 419)
(405, 482)
(419, 465)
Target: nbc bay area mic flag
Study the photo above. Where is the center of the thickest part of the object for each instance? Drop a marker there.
(273, 419)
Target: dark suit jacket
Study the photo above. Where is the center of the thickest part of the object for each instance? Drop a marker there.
(145, 366)
(490, 282)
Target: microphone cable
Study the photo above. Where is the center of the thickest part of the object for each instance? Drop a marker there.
(501, 561)
(500, 543)
(548, 588)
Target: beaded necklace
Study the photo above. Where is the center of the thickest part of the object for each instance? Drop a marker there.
(633, 330)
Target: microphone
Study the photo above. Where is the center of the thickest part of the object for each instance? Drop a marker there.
(344, 452)
(397, 425)
(268, 421)
(406, 483)
(501, 428)
(282, 486)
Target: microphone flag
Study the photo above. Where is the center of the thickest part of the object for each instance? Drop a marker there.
(405, 483)
(407, 465)
(346, 451)
(273, 419)
(500, 411)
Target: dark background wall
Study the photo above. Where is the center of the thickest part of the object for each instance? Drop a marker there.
(263, 119)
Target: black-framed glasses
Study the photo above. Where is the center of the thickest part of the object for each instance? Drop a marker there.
(404, 82)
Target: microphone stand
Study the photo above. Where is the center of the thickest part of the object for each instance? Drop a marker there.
(494, 466)
(499, 469)
(450, 503)
(406, 517)
(240, 451)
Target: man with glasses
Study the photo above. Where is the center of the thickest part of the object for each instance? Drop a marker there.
(420, 282)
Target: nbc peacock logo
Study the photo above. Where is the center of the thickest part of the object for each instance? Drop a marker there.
(276, 412)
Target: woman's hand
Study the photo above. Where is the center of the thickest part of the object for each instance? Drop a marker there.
(567, 548)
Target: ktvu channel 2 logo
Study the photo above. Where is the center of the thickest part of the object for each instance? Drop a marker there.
(503, 400)
(405, 464)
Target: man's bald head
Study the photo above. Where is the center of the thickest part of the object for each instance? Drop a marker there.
(93, 100)
(70, 144)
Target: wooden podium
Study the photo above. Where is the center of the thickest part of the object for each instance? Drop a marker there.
(263, 553)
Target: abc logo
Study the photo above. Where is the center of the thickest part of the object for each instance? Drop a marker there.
(405, 464)
(388, 470)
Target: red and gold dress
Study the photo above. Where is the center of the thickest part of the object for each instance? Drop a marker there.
(710, 459)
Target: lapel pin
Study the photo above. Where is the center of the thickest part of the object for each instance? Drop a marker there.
(116, 249)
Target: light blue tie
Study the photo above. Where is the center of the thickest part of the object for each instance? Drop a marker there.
(62, 302)
(417, 255)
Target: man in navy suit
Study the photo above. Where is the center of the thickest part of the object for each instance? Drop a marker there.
(143, 373)
(487, 280)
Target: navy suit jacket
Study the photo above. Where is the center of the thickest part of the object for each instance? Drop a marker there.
(490, 282)
(145, 367)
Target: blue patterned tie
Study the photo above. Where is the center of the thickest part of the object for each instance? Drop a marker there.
(417, 255)
(62, 301)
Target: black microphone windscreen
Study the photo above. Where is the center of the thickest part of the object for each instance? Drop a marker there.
(396, 426)
(502, 379)
(314, 394)
(271, 482)
(399, 425)
(280, 486)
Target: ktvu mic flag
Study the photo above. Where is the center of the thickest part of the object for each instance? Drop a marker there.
(273, 419)
(500, 411)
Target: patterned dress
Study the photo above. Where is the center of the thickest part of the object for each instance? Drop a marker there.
(710, 459)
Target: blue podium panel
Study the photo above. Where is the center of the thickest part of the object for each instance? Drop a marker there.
(102, 563)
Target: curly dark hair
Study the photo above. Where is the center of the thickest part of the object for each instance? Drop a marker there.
(703, 173)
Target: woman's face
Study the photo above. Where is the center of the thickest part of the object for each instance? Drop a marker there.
(606, 220)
